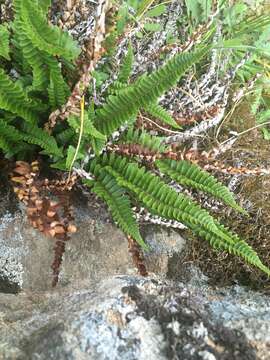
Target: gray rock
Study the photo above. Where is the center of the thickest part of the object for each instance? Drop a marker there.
(94, 313)
(122, 317)
(98, 249)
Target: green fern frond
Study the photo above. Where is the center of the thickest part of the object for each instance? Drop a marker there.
(5, 146)
(144, 92)
(191, 175)
(9, 136)
(162, 200)
(238, 247)
(14, 99)
(156, 195)
(34, 135)
(67, 136)
(58, 89)
(29, 134)
(90, 133)
(126, 68)
(44, 5)
(116, 87)
(28, 53)
(160, 113)
(143, 138)
(9, 132)
(106, 187)
(4, 42)
(49, 39)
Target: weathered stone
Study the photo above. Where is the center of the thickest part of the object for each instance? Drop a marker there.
(97, 250)
(123, 317)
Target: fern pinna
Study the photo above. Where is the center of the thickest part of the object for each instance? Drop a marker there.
(121, 162)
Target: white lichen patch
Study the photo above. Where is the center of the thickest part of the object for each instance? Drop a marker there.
(11, 250)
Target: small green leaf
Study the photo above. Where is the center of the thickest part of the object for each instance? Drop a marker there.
(139, 35)
(156, 11)
(4, 42)
(70, 156)
(152, 27)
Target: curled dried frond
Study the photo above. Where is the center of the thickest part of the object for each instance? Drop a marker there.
(47, 206)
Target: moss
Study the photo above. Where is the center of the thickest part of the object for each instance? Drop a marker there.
(250, 150)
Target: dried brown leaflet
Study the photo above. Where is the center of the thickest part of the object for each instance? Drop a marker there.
(47, 205)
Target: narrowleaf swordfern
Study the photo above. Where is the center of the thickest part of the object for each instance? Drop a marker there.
(119, 180)
(38, 51)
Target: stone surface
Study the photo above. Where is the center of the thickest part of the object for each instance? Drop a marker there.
(97, 250)
(95, 313)
(128, 317)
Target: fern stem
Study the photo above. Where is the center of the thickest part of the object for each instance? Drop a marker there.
(80, 137)
(160, 127)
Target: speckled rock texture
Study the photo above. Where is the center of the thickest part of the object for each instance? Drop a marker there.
(97, 250)
(102, 310)
(128, 317)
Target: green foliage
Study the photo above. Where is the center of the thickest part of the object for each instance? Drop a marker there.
(44, 37)
(4, 42)
(198, 10)
(15, 100)
(39, 86)
(107, 188)
(193, 176)
(160, 199)
(143, 138)
(39, 55)
(126, 68)
(160, 113)
(30, 134)
(144, 92)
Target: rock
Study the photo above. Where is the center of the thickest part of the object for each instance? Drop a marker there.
(121, 317)
(98, 249)
(95, 313)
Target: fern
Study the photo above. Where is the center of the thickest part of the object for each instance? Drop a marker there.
(28, 52)
(9, 136)
(159, 112)
(30, 134)
(49, 39)
(141, 137)
(38, 52)
(126, 68)
(37, 136)
(58, 90)
(109, 190)
(193, 176)
(144, 92)
(44, 5)
(156, 195)
(4, 42)
(238, 247)
(162, 200)
(14, 99)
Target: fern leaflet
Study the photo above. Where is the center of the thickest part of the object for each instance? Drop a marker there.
(14, 99)
(4, 42)
(160, 113)
(108, 190)
(193, 176)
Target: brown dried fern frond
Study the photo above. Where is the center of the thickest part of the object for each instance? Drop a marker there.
(48, 207)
